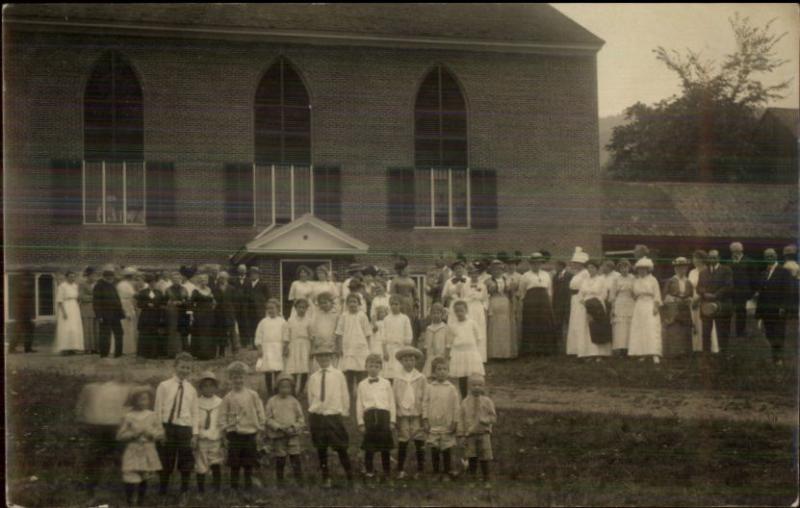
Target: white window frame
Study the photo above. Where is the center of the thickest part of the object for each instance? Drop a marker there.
(293, 213)
(124, 209)
(432, 204)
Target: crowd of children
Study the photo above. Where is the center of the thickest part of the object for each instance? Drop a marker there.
(402, 397)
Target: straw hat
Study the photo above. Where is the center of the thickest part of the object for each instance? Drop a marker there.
(579, 256)
(409, 350)
(644, 263)
(681, 261)
(207, 374)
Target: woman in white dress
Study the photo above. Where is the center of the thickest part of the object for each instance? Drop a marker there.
(645, 337)
(578, 328)
(69, 328)
(477, 297)
(595, 288)
(302, 288)
(699, 262)
(622, 308)
(127, 295)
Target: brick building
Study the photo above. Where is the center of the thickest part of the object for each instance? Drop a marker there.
(161, 135)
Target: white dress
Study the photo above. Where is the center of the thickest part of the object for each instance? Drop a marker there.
(465, 359)
(355, 331)
(324, 286)
(69, 332)
(397, 333)
(592, 287)
(127, 295)
(301, 289)
(697, 323)
(622, 298)
(269, 335)
(477, 297)
(297, 333)
(645, 337)
(578, 329)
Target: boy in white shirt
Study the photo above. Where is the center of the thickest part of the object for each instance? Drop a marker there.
(375, 414)
(410, 387)
(208, 454)
(440, 414)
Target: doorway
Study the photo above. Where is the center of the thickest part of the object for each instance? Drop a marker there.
(288, 275)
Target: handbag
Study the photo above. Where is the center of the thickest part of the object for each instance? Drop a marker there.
(599, 326)
(709, 309)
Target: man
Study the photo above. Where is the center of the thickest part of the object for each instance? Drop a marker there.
(254, 296)
(561, 299)
(744, 282)
(790, 253)
(715, 286)
(108, 312)
(24, 302)
(773, 294)
(227, 299)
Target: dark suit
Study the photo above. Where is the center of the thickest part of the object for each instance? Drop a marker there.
(254, 300)
(238, 286)
(24, 305)
(718, 281)
(226, 314)
(562, 297)
(773, 296)
(108, 312)
(152, 320)
(745, 284)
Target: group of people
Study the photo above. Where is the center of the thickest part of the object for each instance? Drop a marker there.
(178, 428)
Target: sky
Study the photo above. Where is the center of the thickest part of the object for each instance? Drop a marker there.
(627, 69)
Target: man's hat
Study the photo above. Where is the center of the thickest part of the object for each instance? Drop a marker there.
(408, 350)
(323, 349)
(284, 377)
(207, 374)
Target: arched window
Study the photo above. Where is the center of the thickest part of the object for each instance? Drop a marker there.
(282, 117)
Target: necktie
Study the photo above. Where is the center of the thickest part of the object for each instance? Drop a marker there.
(177, 402)
(322, 388)
(207, 425)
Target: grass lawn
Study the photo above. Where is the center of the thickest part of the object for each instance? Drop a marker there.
(541, 459)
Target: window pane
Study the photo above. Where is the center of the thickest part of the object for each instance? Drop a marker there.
(426, 153)
(268, 119)
(297, 119)
(296, 149)
(294, 91)
(113, 193)
(268, 148)
(459, 179)
(454, 153)
(454, 124)
(441, 203)
(93, 186)
(426, 123)
(422, 203)
(302, 190)
(134, 172)
(263, 201)
(283, 200)
(46, 295)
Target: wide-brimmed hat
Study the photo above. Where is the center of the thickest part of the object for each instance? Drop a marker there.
(537, 257)
(408, 350)
(681, 261)
(129, 270)
(207, 374)
(284, 377)
(644, 263)
(496, 262)
(579, 256)
(304, 268)
(323, 349)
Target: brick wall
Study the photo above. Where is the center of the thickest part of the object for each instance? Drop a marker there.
(532, 118)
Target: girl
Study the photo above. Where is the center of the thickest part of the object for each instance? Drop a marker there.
(677, 317)
(594, 297)
(465, 359)
(397, 334)
(376, 345)
(302, 288)
(139, 430)
(69, 328)
(645, 324)
(477, 298)
(323, 326)
(622, 308)
(297, 340)
(269, 341)
(353, 332)
(379, 299)
(454, 287)
(435, 339)
(323, 284)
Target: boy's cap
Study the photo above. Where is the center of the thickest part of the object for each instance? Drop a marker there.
(207, 374)
(409, 351)
(323, 349)
(284, 377)
(237, 367)
(476, 378)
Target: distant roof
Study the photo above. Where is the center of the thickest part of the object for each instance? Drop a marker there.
(479, 22)
(788, 117)
(700, 209)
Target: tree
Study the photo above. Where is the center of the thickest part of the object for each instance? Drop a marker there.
(705, 133)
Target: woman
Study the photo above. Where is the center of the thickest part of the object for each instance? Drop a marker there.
(593, 297)
(127, 293)
(477, 298)
(577, 328)
(150, 302)
(699, 262)
(204, 343)
(500, 335)
(677, 314)
(536, 293)
(513, 277)
(302, 288)
(69, 328)
(622, 303)
(405, 287)
(88, 320)
(645, 324)
(177, 304)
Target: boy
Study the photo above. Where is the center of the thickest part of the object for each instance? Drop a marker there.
(375, 414)
(323, 325)
(176, 407)
(208, 453)
(475, 422)
(440, 413)
(328, 403)
(410, 388)
(284, 423)
(241, 417)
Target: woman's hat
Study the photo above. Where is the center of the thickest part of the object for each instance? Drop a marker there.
(456, 263)
(681, 261)
(187, 272)
(323, 349)
(496, 262)
(207, 374)
(409, 350)
(579, 256)
(644, 263)
(129, 270)
(537, 257)
(284, 377)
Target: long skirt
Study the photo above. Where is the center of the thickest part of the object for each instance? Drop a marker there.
(149, 342)
(69, 332)
(578, 326)
(129, 334)
(500, 339)
(645, 329)
(537, 323)
(477, 313)
(90, 330)
(621, 327)
(677, 339)
(174, 344)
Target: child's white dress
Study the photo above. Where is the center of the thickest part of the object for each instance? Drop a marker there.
(269, 335)
(376, 342)
(435, 345)
(140, 429)
(477, 297)
(355, 331)
(297, 333)
(465, 359)
(397, 333)
(377, 302)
